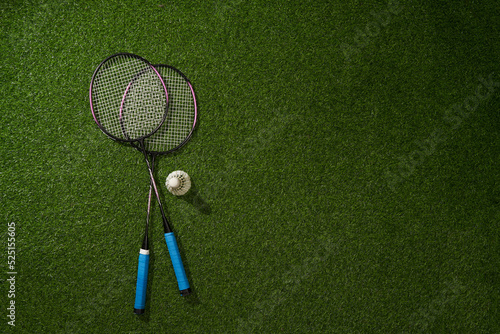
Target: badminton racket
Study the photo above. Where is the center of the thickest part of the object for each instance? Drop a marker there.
(172, 135)
(129, 102)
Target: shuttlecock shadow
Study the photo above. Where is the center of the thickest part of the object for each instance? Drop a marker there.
(194, 198)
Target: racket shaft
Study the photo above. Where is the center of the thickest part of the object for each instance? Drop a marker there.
(166, 225)
(173, 249)
(142, 282)
(175, 256)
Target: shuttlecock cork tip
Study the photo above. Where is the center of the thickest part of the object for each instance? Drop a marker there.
(174, 183)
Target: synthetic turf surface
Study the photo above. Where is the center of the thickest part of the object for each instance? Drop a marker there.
(341, 184)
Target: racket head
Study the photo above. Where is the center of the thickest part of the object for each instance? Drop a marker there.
(128, 97)
(182, 116)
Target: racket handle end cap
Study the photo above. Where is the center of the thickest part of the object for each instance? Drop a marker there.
(138, 311)
(186, 292)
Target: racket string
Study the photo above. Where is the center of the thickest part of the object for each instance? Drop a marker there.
(181, 117)
(132, 87)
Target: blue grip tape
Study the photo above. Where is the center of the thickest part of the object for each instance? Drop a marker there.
(175, 256)
(142, 281)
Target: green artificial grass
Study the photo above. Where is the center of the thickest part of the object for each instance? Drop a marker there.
(341, 185)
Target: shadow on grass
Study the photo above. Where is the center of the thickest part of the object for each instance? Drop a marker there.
(194, 198)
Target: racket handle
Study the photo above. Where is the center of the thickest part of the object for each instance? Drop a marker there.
(142, 282)
(175, 256)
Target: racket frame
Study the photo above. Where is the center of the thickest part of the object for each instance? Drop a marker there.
(93, 107)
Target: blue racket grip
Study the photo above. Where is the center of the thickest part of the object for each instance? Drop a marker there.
(142, 282)
(175, 256)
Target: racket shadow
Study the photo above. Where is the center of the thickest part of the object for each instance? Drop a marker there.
(192, 298)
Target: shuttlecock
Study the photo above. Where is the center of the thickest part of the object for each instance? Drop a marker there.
(178, 183)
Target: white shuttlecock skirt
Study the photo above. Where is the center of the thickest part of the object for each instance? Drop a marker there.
(184, 183)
